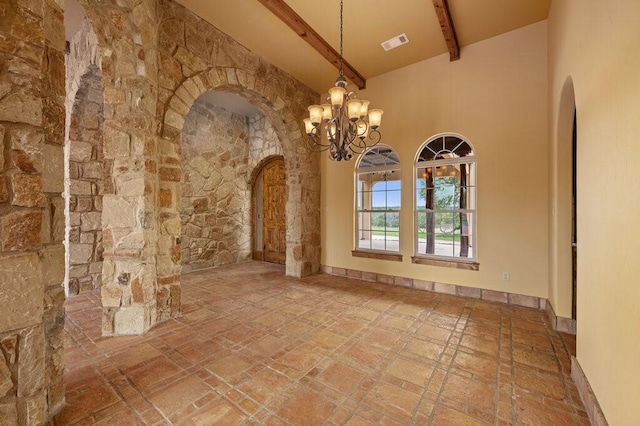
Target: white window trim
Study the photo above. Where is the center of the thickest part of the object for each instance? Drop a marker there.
(444, 162)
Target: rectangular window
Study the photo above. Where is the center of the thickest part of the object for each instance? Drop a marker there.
(378, 215)
(445, 209)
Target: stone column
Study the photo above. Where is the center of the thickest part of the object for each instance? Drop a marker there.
(31, 210)
(129, 218)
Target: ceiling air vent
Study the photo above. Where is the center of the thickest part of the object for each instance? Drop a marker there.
(394, 42)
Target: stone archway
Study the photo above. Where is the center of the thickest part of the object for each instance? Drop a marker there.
(83, 188)
(302, 168)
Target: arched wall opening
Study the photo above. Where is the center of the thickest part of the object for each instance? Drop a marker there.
(561, 291)
(302, 237)
(84, 185)
(222, 139)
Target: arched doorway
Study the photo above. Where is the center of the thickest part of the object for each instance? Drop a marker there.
(563, 260)
(269, 217)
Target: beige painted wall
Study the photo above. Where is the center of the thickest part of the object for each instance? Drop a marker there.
(496, 97)
(597, 44)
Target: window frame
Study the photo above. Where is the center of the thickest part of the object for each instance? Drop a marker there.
(358, 251)
(469, 263)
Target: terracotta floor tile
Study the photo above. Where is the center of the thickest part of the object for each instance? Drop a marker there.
(145, 376)
(306, 408)
(264, 384)
(545, 385)
(254, 347)
(179, 395)
(392, 401)
(219, 412)
(470, 393)
(478, 365)
(229, 366)
(411, 371)
(341, 377)
(432, 332)
(445, 416)
(430, 350)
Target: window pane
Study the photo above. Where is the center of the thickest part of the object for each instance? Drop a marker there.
(393, 200)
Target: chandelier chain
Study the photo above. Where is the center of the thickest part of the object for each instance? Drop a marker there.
(341, 58)
(344, 125)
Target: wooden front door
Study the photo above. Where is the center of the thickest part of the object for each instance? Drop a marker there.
(274, 198)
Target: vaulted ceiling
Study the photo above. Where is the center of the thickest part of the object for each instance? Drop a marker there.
(367, 24)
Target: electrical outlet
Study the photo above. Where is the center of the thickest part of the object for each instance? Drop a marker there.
(506, 276)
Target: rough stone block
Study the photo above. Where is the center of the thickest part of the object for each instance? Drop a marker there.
(8, 414)
(111, 296)
(21, 108)
(91, 221)
(26, 162)
(80, 253)
(4, 193)
(52, 264)
(129, 320)
(79, 151)
(6, 384)
(79, 187)
(119, 212)
(115, 143)
(27, 190)
(52, 169)
(31, 361)
(2, 132)
(20, 230)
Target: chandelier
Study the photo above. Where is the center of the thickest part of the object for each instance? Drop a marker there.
(344, 125)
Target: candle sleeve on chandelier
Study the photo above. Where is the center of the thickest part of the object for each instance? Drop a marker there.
(375, 117)
(364, 109)
(326, 112)
(315, 114)
(337, 95)
(308, 127)
(354, 107)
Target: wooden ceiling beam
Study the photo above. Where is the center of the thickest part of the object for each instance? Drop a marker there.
(287, 15)
(448, 31)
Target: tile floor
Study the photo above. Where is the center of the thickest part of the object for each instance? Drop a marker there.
(256, 347)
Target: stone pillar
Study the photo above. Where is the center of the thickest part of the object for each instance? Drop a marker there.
(129, 233)
(31, 210)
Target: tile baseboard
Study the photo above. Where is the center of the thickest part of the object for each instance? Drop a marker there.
(591, 405)
(564, 325)
(444, 288)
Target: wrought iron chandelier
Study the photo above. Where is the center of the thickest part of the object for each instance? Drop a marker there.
(344, 125)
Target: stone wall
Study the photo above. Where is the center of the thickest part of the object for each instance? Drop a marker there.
(263, 143)
(31, 210)
(86, 185)
(215, 211)
(194, 58)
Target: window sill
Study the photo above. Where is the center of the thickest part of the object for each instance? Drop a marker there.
(376, 255)
(468, 266)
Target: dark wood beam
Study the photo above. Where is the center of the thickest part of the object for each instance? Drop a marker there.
(287, 15)
(448, 31)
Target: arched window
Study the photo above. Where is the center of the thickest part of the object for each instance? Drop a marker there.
(378, 200)
(445, 209)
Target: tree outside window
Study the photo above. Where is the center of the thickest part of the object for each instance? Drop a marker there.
(445, 199)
